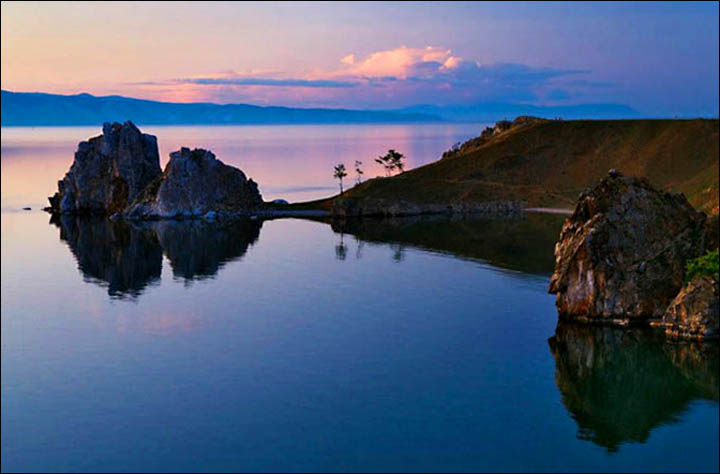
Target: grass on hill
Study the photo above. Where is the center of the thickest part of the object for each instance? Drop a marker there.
(548, 163)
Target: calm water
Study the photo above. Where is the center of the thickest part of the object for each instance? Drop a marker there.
(424, 344)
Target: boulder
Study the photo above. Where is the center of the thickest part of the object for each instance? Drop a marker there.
(621, 255)
(695, 311)
(195, 183)
(109, 171)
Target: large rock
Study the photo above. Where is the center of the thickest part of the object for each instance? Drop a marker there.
(695, 312)
(109, 171)
(195, 183)
(621, 255)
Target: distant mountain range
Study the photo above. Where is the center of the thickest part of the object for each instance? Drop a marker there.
(38, 109)
(34, 108)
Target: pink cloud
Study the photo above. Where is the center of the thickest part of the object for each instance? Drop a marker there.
(389, 78)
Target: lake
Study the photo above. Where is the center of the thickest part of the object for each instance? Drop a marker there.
(406, 344)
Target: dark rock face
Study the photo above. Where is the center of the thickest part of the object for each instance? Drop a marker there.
(621, 255)
(695, 312)
(195, 183)
(618, 384)
(109, 171)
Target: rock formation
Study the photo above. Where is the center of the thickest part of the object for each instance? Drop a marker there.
(193, 184)
(109, 171)
(621, 255)
(695, 311)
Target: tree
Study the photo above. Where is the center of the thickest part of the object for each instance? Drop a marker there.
(358, 171)
(398, 160)
(340, 173)
(392, 160)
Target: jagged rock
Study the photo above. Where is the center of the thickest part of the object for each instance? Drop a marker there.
(695, 312)
(194, 184)
(109, 171)
(621, 255)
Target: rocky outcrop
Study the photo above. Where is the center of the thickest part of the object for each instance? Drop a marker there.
(109, 171)
(621, 255)
(194, 184)
(352, 207)
(695, 311)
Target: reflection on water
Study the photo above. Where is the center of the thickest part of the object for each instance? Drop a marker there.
(198, 249)
(121, 256)
(619, 383)
(523, 243)
(127, 257)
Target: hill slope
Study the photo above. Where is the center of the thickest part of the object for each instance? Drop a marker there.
(548, 163)
(34, 108)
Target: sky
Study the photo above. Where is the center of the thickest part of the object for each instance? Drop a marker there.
(659, 58)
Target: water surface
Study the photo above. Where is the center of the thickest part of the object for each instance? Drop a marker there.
(414, 344)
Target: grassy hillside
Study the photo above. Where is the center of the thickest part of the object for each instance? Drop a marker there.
(548, 163)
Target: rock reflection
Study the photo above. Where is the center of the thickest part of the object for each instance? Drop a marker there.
(198, 249)
(124, 258)
(127, 257)
(620, 383)
(522, 243)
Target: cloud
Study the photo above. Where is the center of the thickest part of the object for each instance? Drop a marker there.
(391, 78)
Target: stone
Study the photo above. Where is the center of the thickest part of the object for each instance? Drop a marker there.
(695, 311)
(194, 184)
(109, 171)
(621, 255)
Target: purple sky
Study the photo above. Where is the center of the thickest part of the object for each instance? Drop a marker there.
(661, 59)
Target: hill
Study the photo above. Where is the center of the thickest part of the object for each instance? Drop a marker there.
(548, 163)
(38, 109)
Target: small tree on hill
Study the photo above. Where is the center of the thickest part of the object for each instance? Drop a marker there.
(358, 171)
(339, 174)
(392, 160)
(398, 160)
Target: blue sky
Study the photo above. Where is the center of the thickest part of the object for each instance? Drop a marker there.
(660, 58)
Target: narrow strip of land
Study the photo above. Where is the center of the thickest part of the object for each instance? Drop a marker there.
(549, 210)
